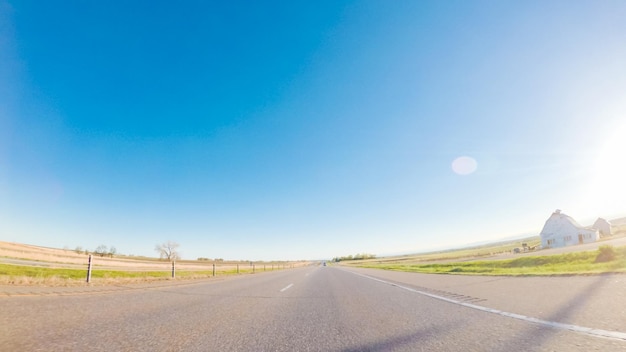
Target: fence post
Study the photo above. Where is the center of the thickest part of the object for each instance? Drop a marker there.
(237, 268)
(213, 269)
(173, 269)
(263, 267)
(89, 270)
(253, 268)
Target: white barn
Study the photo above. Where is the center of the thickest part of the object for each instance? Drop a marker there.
(561, 230)
(603, 226)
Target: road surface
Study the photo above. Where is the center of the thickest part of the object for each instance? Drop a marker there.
(325, 309)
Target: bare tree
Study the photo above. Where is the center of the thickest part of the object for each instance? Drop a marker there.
(168, 250)
(112, 251)
(101, 250)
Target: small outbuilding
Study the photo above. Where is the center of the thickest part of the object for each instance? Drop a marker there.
(561, 230)
(603, 226)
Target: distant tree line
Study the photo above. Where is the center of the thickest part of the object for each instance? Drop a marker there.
(101, 250)
(358, 256)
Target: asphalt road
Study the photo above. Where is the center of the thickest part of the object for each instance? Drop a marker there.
(318, 309)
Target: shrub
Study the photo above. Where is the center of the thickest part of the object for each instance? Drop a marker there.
(606, 254)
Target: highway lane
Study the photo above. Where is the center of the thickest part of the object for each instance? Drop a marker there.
(596, 300)
(306, 309)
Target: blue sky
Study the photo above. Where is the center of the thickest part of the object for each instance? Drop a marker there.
(305, 130)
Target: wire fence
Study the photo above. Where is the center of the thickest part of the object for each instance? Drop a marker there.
(186, 268)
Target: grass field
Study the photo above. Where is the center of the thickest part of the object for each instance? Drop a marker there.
(22, 264)
(498, 259)
(66, 267)
(468, 253)
(589, 262)
(21, 274)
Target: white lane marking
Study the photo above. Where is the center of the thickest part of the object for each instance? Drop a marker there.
(286, 288)
(616, 335)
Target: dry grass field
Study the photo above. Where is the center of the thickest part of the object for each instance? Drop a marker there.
(501, 259)
(25, 264)
(499, 250)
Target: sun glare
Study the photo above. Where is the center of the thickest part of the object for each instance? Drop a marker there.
(608, 186)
